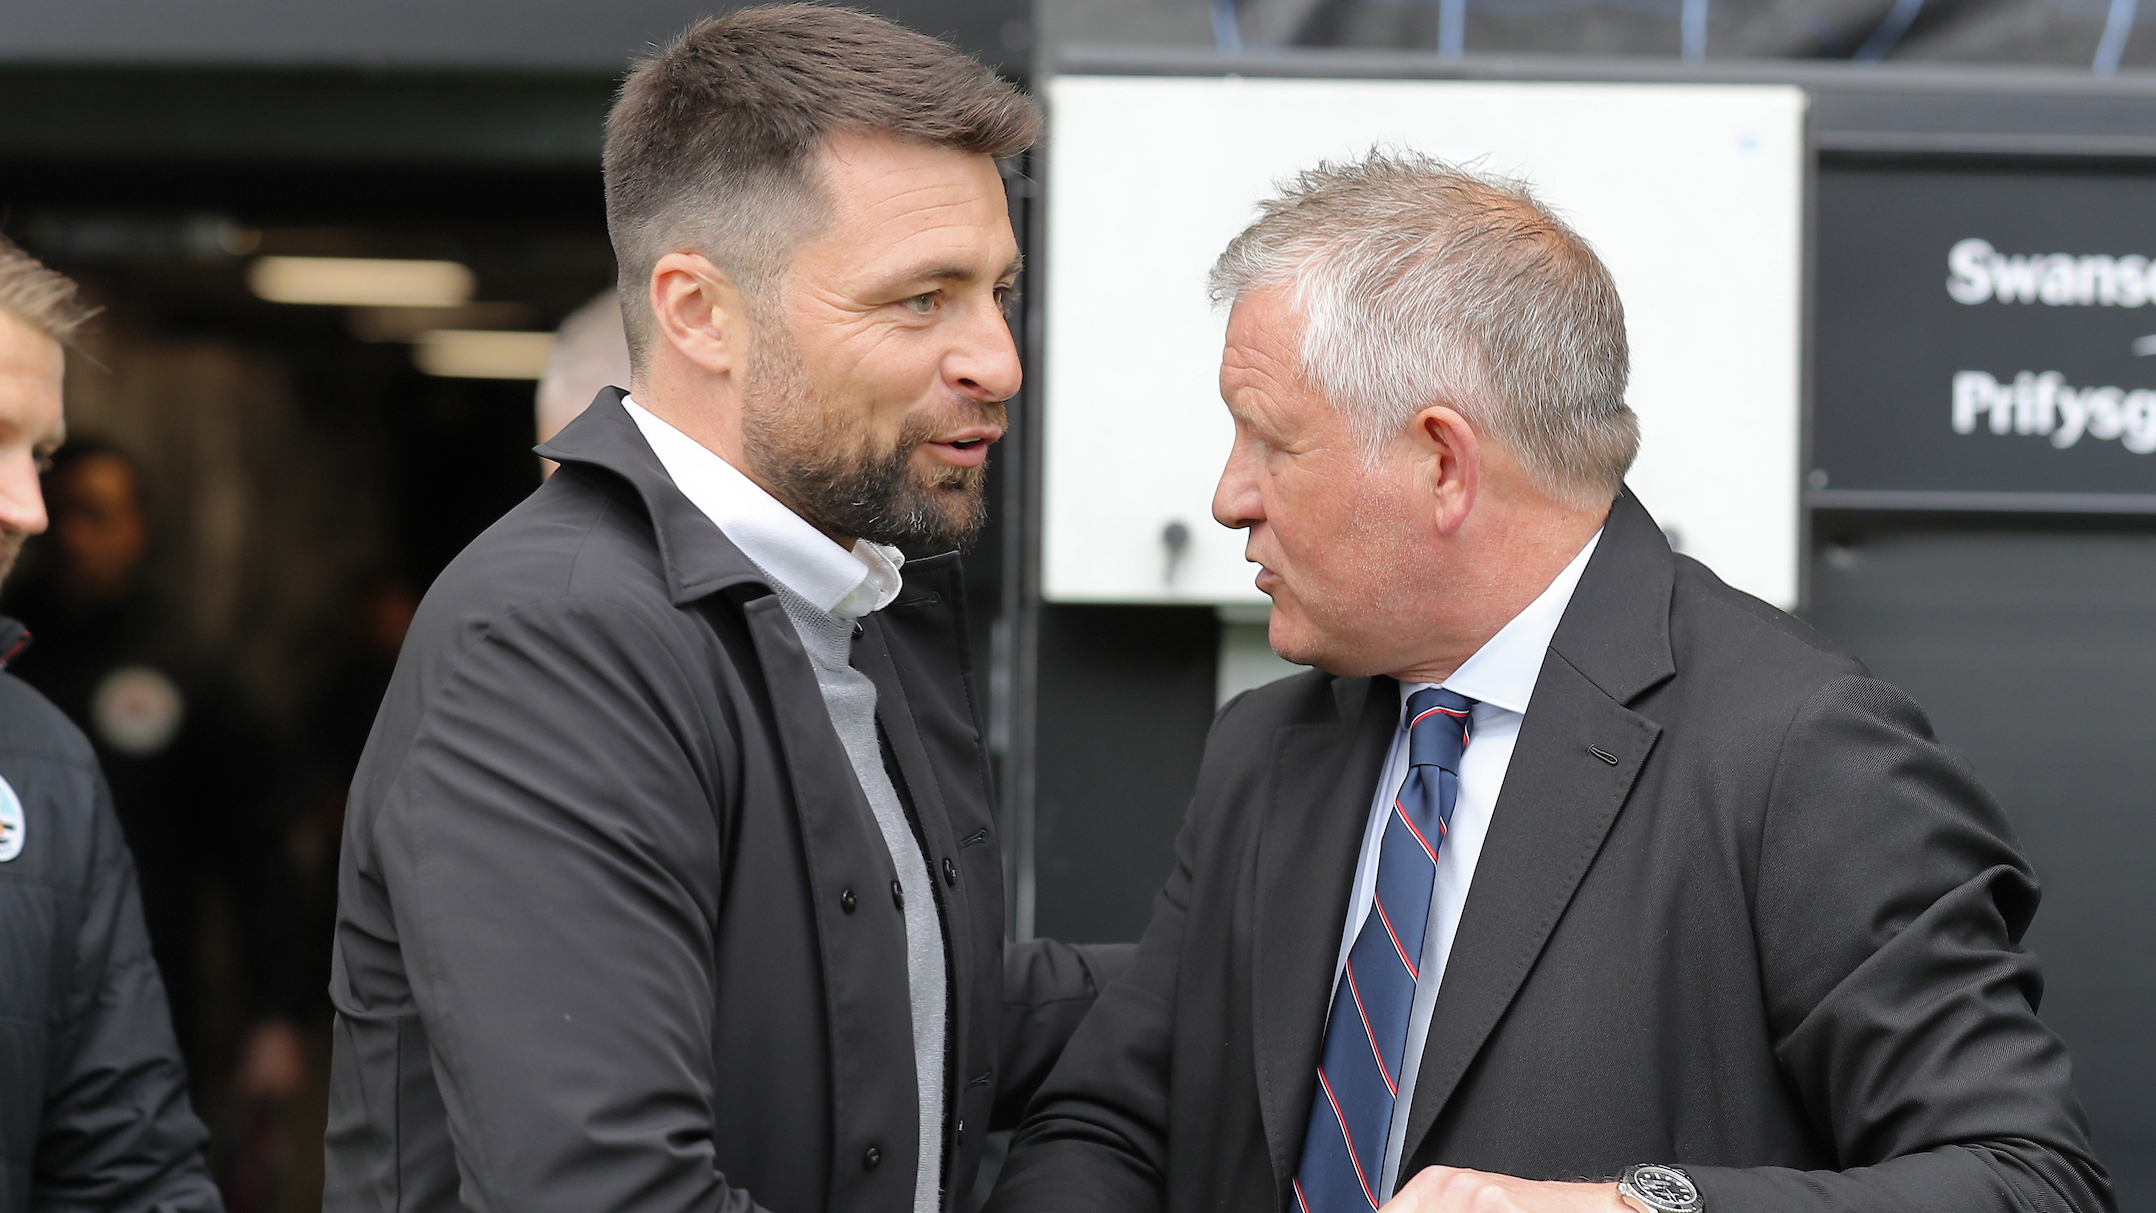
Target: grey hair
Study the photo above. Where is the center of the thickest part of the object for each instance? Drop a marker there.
(1421, 283)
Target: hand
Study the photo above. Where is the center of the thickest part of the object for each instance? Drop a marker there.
(273, 1064)
(1452, 1190)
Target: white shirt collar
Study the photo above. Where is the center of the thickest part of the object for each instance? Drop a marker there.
(848, 584)
(1502, 672)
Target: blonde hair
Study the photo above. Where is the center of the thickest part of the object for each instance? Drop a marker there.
(42, 298)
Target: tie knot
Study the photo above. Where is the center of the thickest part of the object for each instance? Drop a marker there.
(1437, 728)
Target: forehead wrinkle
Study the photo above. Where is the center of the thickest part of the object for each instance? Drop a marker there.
(883, 205)
(1253, 395)
(956, 258)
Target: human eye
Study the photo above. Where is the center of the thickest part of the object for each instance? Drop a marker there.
(924, 305)
(1007, 300)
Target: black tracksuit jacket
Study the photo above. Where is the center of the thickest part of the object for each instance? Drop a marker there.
(93, 1097)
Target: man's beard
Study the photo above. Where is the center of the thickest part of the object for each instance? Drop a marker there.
(815, 462)
(11, 542)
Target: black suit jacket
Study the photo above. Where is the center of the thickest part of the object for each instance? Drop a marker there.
(1737, 910)
(612, 929)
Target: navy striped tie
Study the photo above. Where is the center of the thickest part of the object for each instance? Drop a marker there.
(1343, 1159)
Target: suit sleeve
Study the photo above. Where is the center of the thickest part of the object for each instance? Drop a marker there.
(1890, 908)
(1096, 1135)
(1047, 989)
(549, 848)
(118, 1134)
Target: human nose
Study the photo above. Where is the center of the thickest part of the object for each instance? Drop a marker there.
(985, 367)
(22, 498)
(1237, 503)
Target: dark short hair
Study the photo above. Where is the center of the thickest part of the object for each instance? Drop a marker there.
(42, 298)
(77, 451)
(711, 146)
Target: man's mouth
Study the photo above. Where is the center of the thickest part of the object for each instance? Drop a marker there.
(967, 448)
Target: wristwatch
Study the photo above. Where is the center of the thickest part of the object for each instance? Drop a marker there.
(1656, 1188)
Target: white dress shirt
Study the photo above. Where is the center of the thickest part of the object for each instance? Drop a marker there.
(779, 541)
(1500, 678)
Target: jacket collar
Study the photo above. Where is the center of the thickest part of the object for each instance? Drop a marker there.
(1616, 631)
(698, 557)
(14, 638)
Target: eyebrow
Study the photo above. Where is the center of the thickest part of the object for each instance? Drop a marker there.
(954, 273)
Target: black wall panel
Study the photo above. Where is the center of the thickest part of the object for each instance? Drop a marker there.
(2034, 651)
(1126, 697)
(1985, 329)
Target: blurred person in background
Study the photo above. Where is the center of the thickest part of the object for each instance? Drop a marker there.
(198, 779)
(381, 613)
(94, 1111)
(378, 612)
(591, 352)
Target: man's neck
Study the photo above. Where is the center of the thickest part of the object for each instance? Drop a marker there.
(712, 419)
(1516, 565)
(708, 410)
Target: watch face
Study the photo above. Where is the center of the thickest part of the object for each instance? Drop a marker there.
(1666, 1187)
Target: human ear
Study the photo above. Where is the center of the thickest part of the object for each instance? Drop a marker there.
(699, 312)
(1451, 451)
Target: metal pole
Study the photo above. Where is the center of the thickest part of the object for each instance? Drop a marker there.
(1694, 19)
(1227, 28)
(1451, 28)
(2118, 27)
(1891, 28)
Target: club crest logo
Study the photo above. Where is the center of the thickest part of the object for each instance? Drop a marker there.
(11, 822)
(137, 711)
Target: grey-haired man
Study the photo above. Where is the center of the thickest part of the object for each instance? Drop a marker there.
(1571, 879)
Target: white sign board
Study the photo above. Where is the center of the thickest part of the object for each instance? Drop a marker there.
(1693, 194)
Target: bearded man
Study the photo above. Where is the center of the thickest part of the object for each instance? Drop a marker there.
(670, 878)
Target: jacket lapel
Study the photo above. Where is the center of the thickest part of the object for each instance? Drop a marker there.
(1558, 802)
(1560, 795)
(1318, 802)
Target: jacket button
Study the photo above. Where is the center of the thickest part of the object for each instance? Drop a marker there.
(846, 901)
(961, 1128)
(898, 896)
(950, 871)
(871, 1159)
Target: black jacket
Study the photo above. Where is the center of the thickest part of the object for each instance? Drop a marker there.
(614, 925)
(1770, 932)
(201, 807)
(93, 1098)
